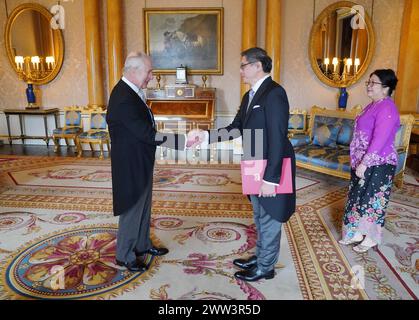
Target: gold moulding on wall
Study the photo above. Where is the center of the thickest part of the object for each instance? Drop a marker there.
(95, 107)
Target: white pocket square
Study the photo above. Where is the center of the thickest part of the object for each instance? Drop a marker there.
(256, 106)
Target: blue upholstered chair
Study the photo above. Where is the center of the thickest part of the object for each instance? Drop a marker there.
(297, 121)
(297, 127)
(72, 128)
(401, 144)
(98, 132)
(329, 135)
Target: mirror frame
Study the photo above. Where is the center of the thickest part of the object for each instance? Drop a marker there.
(370, 49)
(57, 34)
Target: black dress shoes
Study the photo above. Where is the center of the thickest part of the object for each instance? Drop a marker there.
(135, 266)
(153, 251)
(246, 264)
(254, 275)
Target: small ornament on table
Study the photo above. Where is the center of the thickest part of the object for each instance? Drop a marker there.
(342, 98)
(158, 78)
(31, 97)
(204, 80)
(181, 75)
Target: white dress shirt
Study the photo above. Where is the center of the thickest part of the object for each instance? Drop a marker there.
(258, 83)
(142, 95)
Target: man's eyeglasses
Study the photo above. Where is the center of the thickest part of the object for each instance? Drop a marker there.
(245, 64)
(371, 83)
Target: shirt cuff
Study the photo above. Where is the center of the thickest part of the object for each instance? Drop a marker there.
(205, 142)
(271, 183)
(186, 141)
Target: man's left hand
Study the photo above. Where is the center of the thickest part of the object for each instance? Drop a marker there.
(267, 190)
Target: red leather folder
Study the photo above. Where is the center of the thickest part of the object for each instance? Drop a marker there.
(252, 176)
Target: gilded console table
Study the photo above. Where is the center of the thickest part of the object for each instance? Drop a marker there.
(21, 113)
(182, 107)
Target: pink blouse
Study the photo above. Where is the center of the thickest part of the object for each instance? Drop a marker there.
(374, 133)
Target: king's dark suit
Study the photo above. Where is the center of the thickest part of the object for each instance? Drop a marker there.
(133, 146)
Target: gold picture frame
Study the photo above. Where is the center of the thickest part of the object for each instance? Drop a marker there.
(192, 37)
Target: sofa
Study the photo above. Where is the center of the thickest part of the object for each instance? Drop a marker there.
(324, 146)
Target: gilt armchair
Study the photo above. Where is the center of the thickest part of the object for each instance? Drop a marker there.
(72, 128)
(297, 127)
(97, 134)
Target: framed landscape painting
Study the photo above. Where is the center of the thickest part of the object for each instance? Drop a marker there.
(189, 37)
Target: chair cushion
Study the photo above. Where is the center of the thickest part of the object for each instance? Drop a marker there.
(325, 135)
(326, 157)
(296, 122)
(398, 140)
(73, 118)
(94, 135)
(98, 121)
(66, 131)
(299, 140)
(345, 132)
(401, 157)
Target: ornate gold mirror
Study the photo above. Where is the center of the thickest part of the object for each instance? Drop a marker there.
(342, 44)
(35, 50)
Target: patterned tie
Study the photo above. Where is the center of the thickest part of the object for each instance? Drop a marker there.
(141, 94)
(251, 94)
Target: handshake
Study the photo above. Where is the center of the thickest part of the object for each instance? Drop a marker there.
(197, 137)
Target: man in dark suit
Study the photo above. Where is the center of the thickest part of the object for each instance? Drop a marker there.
(134, 139)
(262, 120)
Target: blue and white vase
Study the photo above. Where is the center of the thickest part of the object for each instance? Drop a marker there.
(343, 98)
(30, 94)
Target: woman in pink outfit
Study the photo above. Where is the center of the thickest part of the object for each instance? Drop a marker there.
(373, 162)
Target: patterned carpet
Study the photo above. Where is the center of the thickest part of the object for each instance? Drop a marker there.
(57, 237)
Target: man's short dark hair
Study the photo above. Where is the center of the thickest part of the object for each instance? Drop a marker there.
(258, 54)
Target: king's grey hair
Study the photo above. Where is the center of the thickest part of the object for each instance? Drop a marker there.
(135, 60)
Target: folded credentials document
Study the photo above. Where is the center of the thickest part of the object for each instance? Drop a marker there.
(252, 176)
